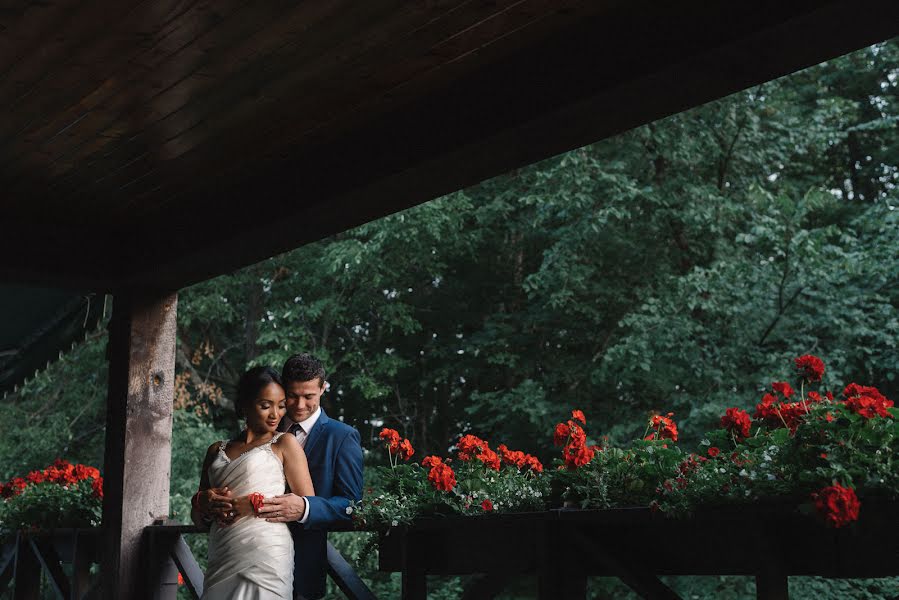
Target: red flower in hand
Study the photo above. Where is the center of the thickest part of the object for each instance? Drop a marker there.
(257, 500)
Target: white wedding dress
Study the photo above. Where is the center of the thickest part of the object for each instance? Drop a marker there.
(250, 559)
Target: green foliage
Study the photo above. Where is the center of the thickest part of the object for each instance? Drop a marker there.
(61, 413)
(45, 506)
(398, 495)
(674, 267)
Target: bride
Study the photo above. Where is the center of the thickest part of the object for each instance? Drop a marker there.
(250, 557)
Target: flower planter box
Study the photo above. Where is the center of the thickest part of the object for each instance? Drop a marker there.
(769, 541)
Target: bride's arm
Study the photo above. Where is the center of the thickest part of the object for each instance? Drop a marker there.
(202, 518)
(290, 507)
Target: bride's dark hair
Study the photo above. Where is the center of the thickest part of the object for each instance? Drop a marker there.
(251, 383)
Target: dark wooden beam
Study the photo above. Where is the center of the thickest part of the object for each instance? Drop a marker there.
(345, 577)
(52, 565)
(27, 577)
(487, 586)
(7, 563)
(137, 459)
(598, 78)
(188, 567)
(135, 174)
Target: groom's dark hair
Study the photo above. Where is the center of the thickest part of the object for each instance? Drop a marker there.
(303, 367)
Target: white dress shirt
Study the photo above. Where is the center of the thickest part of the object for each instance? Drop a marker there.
(302, 433)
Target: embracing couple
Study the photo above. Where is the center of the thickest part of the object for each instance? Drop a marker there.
(266, 541)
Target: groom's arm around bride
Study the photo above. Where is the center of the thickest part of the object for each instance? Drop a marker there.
(334, 453)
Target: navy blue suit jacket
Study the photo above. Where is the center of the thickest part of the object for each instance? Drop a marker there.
(334, 453)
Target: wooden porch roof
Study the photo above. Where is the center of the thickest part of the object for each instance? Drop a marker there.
(157, 144)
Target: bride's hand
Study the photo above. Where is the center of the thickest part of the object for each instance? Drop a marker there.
(242, 507)
(216, 503)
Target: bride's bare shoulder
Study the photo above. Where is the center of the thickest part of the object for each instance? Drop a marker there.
(289, 444)
(213, 449)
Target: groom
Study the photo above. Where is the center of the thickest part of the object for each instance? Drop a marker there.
(334, 453)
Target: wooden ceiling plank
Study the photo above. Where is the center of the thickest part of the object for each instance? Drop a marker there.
(197, 72)
(308, 183)
(192, 124)
(270, 137)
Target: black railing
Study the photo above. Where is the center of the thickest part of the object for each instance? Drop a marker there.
(24, 559)
(166, 554)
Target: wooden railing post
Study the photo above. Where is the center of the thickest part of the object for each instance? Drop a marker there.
(137, 460)
(27, 576)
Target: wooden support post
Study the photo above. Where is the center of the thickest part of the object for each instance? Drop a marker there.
(487, 586)
(343, 575)
(184, 559)
(549, 580)
(7, 564)
(772, 585)
(52, 565)
(639, 579)
(415, 578)
(141, 353)
(82, 552)
(27, 577)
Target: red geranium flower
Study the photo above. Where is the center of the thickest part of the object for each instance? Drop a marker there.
(867, 401)
(810, 368)
(442, 477)
(737, 422)
(489, 458)
(578, 415)
(431, 461)
(391, 437)
(561, 433)
(36, 477)
(487, 505)
(713, 451)
(470, 446)
(97, 486)
(533, 463)
(783, 388)
(838, 505)
(405, 450)
(578, 456)
(662, 428)
(83, 472)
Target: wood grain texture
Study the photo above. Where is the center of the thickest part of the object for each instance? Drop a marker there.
(138, 432)
(137, 133)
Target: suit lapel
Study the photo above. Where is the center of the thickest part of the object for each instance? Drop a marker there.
(316, 434)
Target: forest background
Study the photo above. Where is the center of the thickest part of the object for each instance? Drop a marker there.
(677, 267)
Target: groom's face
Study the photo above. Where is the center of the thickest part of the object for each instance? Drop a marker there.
(303, 398)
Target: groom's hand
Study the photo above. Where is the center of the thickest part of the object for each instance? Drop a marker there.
(283, 509)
